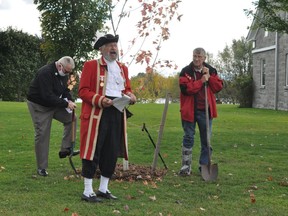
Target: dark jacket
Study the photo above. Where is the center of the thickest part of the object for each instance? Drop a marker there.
(48, 88)
(190, 86)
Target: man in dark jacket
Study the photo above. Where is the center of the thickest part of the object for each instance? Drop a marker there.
(49, 98)
(192, 106)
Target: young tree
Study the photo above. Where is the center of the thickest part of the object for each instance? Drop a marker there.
(20, 57)
(151, 20)
(270, 15)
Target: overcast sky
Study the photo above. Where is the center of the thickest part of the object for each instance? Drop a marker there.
(210, 24)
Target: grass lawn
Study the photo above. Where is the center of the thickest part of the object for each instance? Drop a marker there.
(250, 147)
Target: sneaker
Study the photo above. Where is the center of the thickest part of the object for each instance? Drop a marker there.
(91, 198)
(64, 154)
(42, 172)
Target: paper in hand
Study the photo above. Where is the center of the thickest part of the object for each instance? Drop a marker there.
(68, 109)
(120, 103)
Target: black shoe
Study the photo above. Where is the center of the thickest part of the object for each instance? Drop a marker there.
(107, 195)
(91, 198)
(42, 172)
(64, 154)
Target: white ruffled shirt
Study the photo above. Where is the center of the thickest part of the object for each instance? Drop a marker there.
(115, 81)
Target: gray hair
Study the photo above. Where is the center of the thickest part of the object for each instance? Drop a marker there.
(67, 60)
(199, 51)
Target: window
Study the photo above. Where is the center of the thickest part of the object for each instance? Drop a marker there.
(253, 44)
(262, 71)
(286, 70)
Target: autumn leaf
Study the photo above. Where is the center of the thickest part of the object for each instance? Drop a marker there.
(126, 208)
(116, 212)
(152, 198)
(252, 198)
(66, 209)
(154, 185)
(270, 178)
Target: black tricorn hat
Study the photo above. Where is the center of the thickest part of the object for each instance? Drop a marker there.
(108, 38)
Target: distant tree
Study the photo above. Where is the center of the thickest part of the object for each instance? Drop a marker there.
(150, 86)
(235, 68)
(270, 15)
(20, 57)
(69, 27)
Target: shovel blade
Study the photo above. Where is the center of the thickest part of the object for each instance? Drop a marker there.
(209, 173)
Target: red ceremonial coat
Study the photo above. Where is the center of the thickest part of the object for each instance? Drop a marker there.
(92, 89)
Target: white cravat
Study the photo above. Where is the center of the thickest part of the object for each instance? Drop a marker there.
(115, 81)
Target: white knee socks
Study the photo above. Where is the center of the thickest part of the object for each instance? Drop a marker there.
(88, 189)
(103, 187)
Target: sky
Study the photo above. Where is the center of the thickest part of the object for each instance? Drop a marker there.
(211, 24)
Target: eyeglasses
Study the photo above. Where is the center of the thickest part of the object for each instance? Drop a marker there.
(64, 70)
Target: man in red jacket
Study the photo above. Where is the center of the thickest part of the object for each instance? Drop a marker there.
(192, 106)
(103, 126)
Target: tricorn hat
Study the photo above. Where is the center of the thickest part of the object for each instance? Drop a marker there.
(108, 38)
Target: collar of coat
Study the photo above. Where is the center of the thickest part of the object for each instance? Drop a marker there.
(103, 62)
(191, 69)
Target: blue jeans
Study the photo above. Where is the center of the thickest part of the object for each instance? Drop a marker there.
(189, 132)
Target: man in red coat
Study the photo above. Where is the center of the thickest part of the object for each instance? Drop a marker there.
(103, 126)
(192, 106)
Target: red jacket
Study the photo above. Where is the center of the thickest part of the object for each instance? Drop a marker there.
(190, 86)
(92, 89)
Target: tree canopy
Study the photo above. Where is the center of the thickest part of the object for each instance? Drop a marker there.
(69, 27)
(270, 15)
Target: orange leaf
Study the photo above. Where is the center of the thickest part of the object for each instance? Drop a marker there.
(252, 198)
(270, 178)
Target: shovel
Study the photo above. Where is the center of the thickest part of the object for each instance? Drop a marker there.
(209, 172)
(73, 142)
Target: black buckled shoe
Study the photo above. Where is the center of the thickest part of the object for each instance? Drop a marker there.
(107, 195)
(42, 172)
(91, 198)
(64, 154)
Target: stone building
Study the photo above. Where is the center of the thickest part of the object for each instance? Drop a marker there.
(270, 68)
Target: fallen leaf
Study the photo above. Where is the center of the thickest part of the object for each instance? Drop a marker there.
(154, 185)
(141, 192)
(270, 178)
(129, 197)
(152, 198)
(254, 187)
(116, 212)
(252, 198)
(126, 208)
(66, 209)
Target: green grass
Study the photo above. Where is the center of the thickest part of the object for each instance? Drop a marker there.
(250, 147)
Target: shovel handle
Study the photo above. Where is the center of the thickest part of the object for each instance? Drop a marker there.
(207, 123)
(73, 126)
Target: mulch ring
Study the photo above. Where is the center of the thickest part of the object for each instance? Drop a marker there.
(135, 173)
